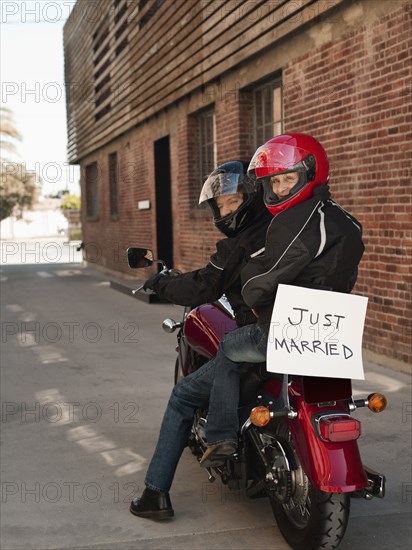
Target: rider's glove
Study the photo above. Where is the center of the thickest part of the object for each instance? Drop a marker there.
(154, 279)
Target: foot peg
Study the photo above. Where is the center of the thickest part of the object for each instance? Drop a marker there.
(210, 476)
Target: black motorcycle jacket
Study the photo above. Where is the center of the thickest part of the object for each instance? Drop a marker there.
(221, 275)
(313, 244)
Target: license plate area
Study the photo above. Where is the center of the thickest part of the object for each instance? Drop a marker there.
(321, 390)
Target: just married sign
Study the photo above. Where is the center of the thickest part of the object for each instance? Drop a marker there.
(316, 333)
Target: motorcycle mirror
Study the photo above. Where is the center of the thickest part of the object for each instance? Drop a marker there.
(139, 257)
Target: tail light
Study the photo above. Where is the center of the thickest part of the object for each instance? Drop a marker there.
(338, 428)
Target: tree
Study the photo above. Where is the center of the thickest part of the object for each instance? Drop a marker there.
(17, 186)
(70, 202)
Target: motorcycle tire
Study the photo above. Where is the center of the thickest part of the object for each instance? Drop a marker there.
(328, 515)
(311, 519)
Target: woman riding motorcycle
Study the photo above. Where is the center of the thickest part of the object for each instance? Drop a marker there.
(311, 241)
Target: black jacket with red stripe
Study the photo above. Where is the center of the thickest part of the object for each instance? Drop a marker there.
(313, 244)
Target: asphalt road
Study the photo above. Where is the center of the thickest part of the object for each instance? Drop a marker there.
(85, 376)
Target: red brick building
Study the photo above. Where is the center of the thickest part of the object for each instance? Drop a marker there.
(160, 91)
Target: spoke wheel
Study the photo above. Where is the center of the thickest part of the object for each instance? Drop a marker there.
(309, 519)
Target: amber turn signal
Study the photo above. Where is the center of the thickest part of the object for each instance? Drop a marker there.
(377, 402)
(260, 416)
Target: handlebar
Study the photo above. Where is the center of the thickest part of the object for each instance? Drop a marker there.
(170, 272)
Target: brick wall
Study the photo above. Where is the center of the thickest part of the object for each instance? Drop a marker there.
(234, 141)
(352, 95)
(196, 234)
(106, 240)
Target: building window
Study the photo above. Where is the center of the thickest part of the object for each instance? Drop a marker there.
(92, 192)
(267, 112)
(114, 186)
(207, 143)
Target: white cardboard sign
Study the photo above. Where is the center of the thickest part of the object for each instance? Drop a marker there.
(316, 333)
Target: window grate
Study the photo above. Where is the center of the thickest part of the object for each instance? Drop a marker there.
(92, 192)
(267, 112)
(114, 185)
(207, 144)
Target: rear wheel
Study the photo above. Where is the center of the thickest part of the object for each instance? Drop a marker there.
(309, 519)
(319, 523)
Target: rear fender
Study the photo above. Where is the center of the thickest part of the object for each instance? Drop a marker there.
(330, 467)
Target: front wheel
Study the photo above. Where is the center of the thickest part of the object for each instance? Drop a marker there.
(319, 524)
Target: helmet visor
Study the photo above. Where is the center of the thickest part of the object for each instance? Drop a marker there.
(273, 159)
(225, 183)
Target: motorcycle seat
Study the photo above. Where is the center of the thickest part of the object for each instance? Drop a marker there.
(252, 378)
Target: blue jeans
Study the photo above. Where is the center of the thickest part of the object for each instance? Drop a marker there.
(215, 384)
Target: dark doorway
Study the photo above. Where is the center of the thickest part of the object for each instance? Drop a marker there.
(163, 201)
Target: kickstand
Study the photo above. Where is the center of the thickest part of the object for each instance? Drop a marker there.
(210, 476)
(283, 401)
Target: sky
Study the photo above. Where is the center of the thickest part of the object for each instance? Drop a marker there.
(32, 86)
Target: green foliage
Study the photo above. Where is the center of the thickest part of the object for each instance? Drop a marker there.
(70, 202)
(17, 189)
(76, 235)
(17, 186)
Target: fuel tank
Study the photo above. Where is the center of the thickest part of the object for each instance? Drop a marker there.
(205, 326)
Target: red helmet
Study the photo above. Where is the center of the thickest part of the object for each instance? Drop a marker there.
(290, 153)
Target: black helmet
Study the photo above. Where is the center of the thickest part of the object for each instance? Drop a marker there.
(230, 178)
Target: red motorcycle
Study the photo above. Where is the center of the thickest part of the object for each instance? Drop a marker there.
(304, 458)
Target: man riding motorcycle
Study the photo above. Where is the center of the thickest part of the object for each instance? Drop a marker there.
(239, 214)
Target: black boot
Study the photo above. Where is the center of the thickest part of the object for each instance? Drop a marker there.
(216, 455)
(152, 505)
